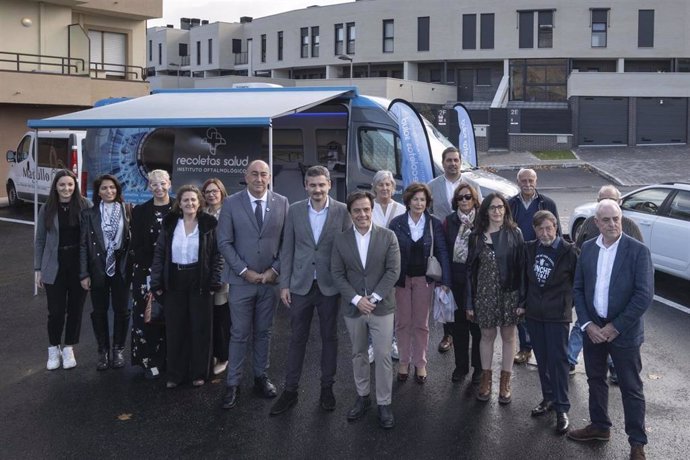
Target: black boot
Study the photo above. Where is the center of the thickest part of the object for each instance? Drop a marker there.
(103, 360)
(118, 358)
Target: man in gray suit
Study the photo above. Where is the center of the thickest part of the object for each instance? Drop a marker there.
(442, 189)
(365, 266)
(306, 283)
(250, 232)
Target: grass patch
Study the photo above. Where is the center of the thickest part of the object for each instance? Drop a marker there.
(554, 155)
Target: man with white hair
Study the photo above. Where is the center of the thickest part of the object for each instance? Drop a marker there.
(614, 287)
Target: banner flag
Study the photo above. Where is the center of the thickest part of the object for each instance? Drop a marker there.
(466, 141)
(416, 150)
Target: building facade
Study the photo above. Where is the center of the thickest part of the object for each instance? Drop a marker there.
(64, 55)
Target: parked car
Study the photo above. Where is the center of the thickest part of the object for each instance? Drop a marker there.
(662, 212)
(56, 150)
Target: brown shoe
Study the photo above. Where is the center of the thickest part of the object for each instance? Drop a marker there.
(504, 394)
(637, 452)
(522, 357)
(445, 344)
(590, 433)
(484, 392)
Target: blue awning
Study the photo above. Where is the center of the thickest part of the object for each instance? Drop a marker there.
(198, 107)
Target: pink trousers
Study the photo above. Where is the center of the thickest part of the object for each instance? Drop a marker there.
(413, 304)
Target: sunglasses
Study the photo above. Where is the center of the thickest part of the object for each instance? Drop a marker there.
(466, 197)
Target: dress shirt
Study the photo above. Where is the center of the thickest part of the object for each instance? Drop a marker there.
(317, 219)
(450, 188)
(252, 200)
(382, 219)
(416, 229)
(362, 242)
(604, 269)
(527, 203)
(185, 248)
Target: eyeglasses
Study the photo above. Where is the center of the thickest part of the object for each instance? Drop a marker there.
(212, 192)
(466, 197)
(498, 207)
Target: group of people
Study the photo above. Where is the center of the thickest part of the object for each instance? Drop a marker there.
(220, 264)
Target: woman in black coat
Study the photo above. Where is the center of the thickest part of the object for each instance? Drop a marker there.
(458, 226)
(186, 270)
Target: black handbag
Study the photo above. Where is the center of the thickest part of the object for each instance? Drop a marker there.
(154, 312)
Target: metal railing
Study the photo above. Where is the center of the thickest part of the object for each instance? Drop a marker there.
(105, 70)
(241, 58)
(66, 65)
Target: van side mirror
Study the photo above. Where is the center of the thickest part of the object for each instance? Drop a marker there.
(11, 156)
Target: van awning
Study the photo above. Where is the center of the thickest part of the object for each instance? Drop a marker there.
(198, 108)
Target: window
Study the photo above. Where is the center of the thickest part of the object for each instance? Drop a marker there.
(486, 39)
(263, 47)
(469, 31)
(210, 51)
(388, 35)
(538, 80)
(351, 34)
(108, 53)
(339, 39)
(160, 54)
(150, 50)
(330, 146)
(288, 145)
(280, 45)
(526, 25)
(423, 33)
(545, 33)
(182, 50)
(304, 42)
(315, 41)
(680, 206)
(236, 46)
(483, 77)
(198, 53)
(24, 148)
(599, 27)
(53, 152)
(380, 149)
(645, 29)
(646, 201)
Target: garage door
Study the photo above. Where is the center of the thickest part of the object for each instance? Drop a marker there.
(662, 120)
(603, 121)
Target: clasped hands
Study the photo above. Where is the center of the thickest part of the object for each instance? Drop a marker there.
(598, 334)
(267, 277)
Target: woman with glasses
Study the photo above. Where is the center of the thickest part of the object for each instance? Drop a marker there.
(458, 227)
(148, 340)
(214, 195)
(496, 288)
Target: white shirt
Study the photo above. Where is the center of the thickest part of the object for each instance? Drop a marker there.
(450, 189)
(416, 229)
(604, 269)
(362, 242)
(185, 248)
(317, 219)
(382, 219)
(252, 200)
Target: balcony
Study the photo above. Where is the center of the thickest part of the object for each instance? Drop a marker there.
(241, 58)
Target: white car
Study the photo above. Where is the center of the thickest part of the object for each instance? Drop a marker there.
(662, 212)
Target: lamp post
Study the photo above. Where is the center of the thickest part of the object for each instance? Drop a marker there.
(172, 64)
(345, 57)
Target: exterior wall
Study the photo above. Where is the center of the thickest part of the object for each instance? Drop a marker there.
(534, 142)
(643, 84)
(134, 9)
(170, 40)
(221, 33)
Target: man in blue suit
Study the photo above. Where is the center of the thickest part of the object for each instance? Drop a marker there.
(614, 287)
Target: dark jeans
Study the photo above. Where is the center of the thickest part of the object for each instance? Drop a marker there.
(550, 341)
(301, 313)
(221, 331)
(116, 293)
(628, 366)
(462, 329)
(65, 301)
(523, 336)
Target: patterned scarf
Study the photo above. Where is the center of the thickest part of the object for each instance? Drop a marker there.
(111, 224)
(460, 249)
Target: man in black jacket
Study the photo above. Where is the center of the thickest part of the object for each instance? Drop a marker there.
(523, 206)
(550, 271)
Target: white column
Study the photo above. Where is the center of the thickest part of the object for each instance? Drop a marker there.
(410, 71)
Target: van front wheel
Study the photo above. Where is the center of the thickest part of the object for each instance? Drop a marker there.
(12, 197)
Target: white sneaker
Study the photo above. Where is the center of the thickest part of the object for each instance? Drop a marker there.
(220, 367)
(394, 350)
(371, 354)
(53, 358)
(68, 361)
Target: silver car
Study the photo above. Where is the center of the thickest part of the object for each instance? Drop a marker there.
(662, 212)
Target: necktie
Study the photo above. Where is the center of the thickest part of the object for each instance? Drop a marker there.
(258, 214)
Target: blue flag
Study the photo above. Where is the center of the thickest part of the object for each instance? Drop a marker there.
(466, 141)
(416, 150)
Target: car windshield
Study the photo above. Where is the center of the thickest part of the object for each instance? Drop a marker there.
(439, 143)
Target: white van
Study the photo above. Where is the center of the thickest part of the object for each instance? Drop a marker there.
(56, 150)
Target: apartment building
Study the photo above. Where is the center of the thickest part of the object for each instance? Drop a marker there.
(61, 56)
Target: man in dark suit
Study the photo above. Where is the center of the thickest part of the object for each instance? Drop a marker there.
(614, 287)
(306, 283)
(365, 266)
(250, 232)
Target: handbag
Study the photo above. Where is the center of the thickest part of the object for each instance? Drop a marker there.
(433, 266)
(154, 312)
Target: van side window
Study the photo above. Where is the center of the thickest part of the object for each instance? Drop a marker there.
(380, 149)
(53, 153)
(24, 149)
(288, 145)
(330, 145)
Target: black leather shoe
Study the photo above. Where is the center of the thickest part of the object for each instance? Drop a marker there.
(477, 376)
(542, 408)
(264, 387)
(284, 403)
(232, 395)
(118, 358)
(327, 399)
(103, 361)
(458, 375)
(562, 423)
(386, 420)
(359, 408)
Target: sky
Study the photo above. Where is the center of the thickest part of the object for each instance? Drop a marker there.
(229, 10)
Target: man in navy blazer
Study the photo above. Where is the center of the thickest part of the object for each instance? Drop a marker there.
(614, 287)
(250, 232)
